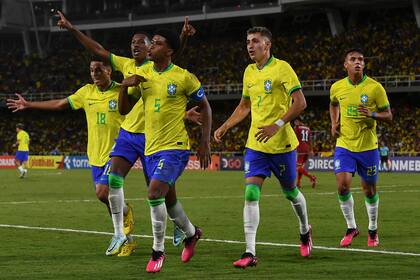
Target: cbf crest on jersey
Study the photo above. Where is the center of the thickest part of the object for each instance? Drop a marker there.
(268, 86)
(112, 105)
(364, 98)
(171, 90)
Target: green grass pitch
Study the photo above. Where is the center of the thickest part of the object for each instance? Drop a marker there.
(65, 200)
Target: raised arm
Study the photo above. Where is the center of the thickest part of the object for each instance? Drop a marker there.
(187, 31)
(21, 104)
(240, 113)
(299, 104)
(125, 103)
(86, 41)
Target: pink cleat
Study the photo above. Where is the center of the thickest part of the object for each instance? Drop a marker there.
(156, 261)
(306, 243)
(348, 238)
(373, 239)
(246, 260)
(189, 245)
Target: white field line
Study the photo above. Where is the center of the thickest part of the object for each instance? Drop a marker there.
(272, 244)
(200, 197)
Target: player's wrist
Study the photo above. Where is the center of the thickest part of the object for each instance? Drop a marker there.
(373, 115)
(279, 123)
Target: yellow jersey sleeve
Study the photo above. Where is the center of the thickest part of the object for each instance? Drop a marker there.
(290, 80)
(77, 100)
(333, 96)
(118, 62)
(381, 98)
(191, 83)
(245, 86)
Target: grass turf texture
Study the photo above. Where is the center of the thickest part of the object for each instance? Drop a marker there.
(213, 200)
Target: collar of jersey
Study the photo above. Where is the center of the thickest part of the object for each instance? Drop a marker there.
(267, 63)
(141, 64)
(164, 70)
(361, 81)
(108, 88)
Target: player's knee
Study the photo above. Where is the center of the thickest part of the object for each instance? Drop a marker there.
(115, 181)
(252, 192)
(290, 192)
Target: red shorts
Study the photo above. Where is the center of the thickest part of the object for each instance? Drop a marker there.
(302, 158)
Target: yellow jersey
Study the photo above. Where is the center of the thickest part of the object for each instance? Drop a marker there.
(134, 120)
(23, 138)
(269, 91)
(358, 132)
(165, 95)
(103, 119)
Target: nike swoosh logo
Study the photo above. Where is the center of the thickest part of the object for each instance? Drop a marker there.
(129, 73)
(146, 88)
(250, 86)
(342, 98)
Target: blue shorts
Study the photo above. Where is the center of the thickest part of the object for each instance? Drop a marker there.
(22, 156)
(130, 146)
(167, 166)
(100, 174)
(262, 164)
(365, 163)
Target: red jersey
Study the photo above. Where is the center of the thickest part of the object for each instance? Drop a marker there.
(304, 135)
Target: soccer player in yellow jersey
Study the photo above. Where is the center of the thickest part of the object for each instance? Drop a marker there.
(22, 153)
(165, 93)
(357, 102)
(273, 95)
(100, 103)
(130, 143)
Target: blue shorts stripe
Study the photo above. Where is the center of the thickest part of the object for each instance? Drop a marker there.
(365, 163)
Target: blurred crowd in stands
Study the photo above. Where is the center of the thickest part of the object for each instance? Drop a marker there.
(391, 48)
(66, 132)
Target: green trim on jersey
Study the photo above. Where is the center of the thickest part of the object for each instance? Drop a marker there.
(267, 63)
(383, 108)
(170, 66)
(293, 89)
(363, 79)
(71, 104)
(111, 86)
(141, 64)
(246, 97)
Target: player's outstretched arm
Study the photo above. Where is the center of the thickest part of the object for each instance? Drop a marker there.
(125, 103)
(204, 154)
(21, 104)
(86, 41)
(240, 113)
(299, 104)
(187, 31)
(335, 119)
